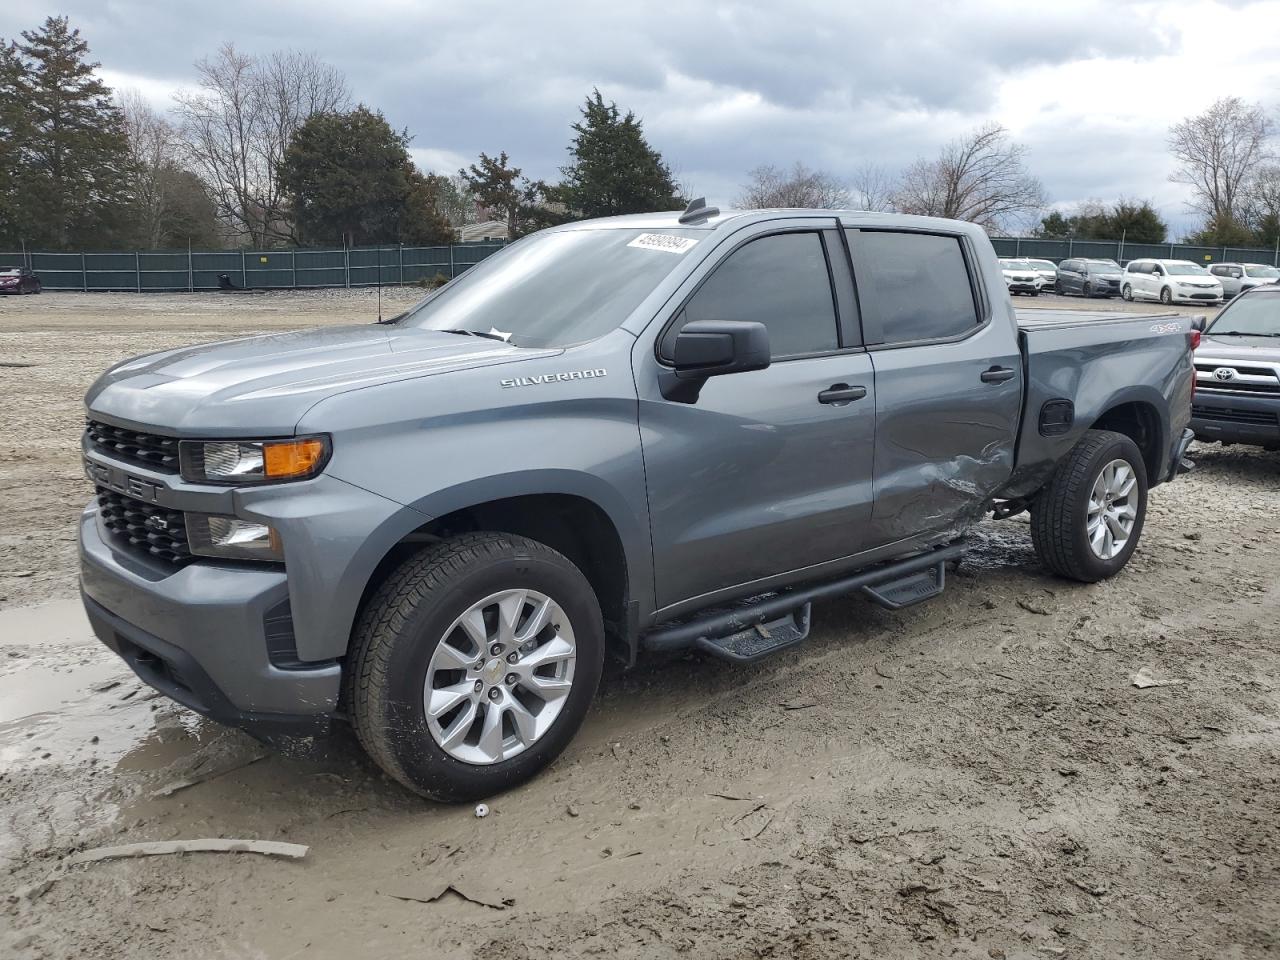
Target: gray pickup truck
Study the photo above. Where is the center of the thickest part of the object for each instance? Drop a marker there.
(645, 433)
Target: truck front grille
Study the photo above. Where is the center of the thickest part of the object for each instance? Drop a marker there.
(145, 527)
(1227, 415)
(149, 450)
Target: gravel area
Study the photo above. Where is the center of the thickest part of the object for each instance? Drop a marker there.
(975, 777)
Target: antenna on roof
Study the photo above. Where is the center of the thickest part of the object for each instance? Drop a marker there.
(698, 210)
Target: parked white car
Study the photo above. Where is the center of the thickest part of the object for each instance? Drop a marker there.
(1236, 278)
(1047, 271)
(1169, 281)
(1019, 277)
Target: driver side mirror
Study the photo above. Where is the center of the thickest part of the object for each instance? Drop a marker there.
(713, 348)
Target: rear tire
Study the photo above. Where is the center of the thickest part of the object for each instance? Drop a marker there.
(397, 666)
(1076, 517)
(1088, 290)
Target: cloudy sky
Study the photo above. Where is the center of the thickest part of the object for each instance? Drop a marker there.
(1089, 87)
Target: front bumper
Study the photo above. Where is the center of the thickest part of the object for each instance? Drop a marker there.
(1232, 418)
(200, 636)
(1021, 286)
(1198, 296)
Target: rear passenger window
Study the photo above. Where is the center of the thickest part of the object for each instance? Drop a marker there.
(781, 281)
(912, 286)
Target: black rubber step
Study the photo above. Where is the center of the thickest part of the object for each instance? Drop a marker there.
(908, 590)
(761, 640)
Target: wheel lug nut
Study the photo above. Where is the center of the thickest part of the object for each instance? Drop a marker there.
(511, 679)
(512, 657)
(479, 665)
(496, 649)
(479, 686)
(495, 693)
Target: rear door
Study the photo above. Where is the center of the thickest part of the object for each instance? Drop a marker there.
(1069, 276)
(769, 471)
(948, 377)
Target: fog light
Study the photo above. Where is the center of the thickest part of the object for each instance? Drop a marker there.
(230, 538)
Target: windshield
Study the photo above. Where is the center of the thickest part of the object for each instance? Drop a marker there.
(556, 289)
(1185, 270)
(1042, 265)
(1257, 315)
(1014, 265)
(1262, 273)
(10, 271)
(1102, 268)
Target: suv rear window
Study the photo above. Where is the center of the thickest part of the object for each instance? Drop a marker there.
(912, 286)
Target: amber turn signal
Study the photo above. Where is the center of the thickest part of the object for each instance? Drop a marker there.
(287, 459)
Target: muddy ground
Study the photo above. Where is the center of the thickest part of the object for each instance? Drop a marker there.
(975, 777)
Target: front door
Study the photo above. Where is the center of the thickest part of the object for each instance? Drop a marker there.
(766, 472)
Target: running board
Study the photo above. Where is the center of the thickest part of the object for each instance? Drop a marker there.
(911, 589)
(721, 632)
(757, 642)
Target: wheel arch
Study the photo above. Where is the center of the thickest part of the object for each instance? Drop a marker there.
(1140, 421)
(572, 523)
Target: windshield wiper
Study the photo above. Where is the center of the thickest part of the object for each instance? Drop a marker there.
(479, 333)
(1238, 333)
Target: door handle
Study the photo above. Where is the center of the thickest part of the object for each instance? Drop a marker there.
(998, 375)
(841, 393)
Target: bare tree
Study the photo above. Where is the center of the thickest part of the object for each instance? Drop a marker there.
(152, 147)
(798, 187)
(1218, 152)
(238, 124)
(981, 177)
(874, 188)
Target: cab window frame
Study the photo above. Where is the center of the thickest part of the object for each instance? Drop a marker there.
(840, 284)
(981, 302)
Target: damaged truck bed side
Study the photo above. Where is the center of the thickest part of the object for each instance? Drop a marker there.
(648, 432)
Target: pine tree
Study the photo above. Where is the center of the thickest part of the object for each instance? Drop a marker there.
(13, 137)
(508, 194)
(349, 174)
(74, 150)
(614, 170)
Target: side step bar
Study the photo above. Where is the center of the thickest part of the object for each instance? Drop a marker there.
(733, 633)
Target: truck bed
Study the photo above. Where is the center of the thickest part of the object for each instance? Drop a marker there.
(1031, 319)
(1099, 360)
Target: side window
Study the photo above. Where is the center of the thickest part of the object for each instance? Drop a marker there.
(1071, 266)
(781, 281)
(1220, 271)
(912, 286)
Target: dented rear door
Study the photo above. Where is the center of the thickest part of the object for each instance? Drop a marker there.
(948, 375)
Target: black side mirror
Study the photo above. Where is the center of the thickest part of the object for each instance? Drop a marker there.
(712, 348)
(1198, 323)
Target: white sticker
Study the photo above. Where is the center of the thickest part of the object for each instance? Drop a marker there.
(662, 241)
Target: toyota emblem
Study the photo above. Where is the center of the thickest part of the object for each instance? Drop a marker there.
(1225, 373)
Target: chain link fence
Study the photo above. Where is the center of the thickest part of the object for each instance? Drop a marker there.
(168, 270)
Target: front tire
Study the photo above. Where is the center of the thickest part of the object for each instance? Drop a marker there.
(1126, 293)
(1086, 522)
(1166, 296)
(474, 664)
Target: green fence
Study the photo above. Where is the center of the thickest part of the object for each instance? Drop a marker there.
(144, 270)
(1124, 252)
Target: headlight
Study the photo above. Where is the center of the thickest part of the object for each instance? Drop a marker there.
(230, 538)
(252, 461)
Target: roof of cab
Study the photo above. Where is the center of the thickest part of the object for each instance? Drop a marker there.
(670, 220)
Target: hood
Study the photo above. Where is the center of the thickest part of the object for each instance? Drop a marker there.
(1266, 349)
(263, 385)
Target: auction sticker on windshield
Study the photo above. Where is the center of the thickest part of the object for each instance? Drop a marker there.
(662, 241)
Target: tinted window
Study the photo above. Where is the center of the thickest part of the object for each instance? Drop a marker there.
(1070, 266)
(780, 281)
(912, 286)
(557, 288)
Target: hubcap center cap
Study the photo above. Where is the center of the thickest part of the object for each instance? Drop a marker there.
(494, 671)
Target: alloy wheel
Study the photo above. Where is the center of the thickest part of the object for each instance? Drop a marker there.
(500, 676)
(1113, 509)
